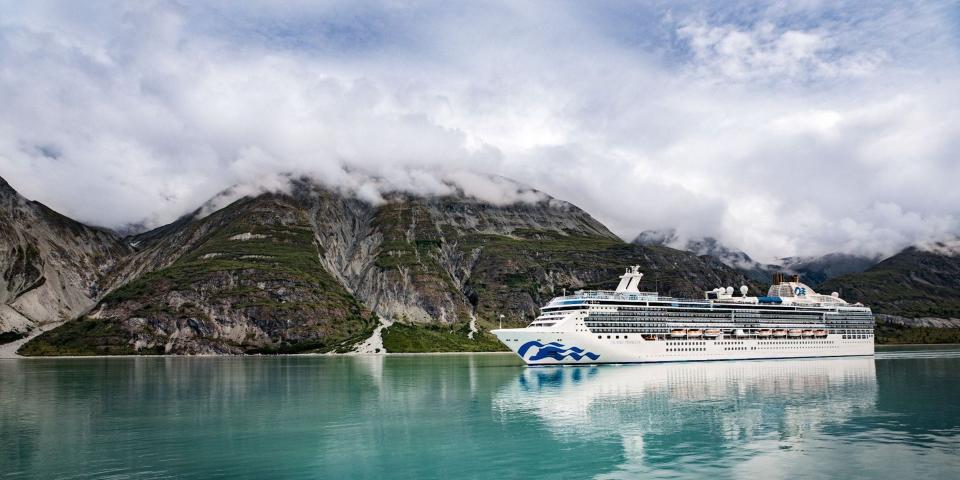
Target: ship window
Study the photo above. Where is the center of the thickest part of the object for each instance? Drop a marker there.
(600, 336)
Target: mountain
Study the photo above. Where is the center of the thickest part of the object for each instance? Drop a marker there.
(812, 270)
(711, 247)
(921, 283)
(52, 268)
(313, 269)
(816, 270)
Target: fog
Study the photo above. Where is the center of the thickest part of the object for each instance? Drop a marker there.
(781, 130)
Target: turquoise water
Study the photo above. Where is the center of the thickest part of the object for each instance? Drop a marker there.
(480, 416)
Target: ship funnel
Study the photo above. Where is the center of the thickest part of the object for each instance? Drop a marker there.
(630, 280)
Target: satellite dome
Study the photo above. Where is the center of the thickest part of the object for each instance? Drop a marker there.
(744, 290)
(729, 290)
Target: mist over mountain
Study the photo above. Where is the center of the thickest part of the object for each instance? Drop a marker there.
(812, 270)
(783, 130)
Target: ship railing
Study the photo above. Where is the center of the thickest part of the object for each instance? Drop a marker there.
(608, 295)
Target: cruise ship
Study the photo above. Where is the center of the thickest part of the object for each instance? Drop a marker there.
(631, 326)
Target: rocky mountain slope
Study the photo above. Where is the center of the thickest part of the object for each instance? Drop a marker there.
(917, 283)
(51, 267)
(316, 270)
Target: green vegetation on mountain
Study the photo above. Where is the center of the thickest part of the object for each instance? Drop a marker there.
(86, 336)
(914, 283)
(409, 338)
(896, 334)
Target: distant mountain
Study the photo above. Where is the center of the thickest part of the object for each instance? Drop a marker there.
(52, 268)
(812, 270)
(920, 283)
(711, 247)
(316, 270)
(816, 270)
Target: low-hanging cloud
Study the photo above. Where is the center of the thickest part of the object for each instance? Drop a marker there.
(782, 130)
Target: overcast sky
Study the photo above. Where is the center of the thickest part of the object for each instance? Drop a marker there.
(798, 128)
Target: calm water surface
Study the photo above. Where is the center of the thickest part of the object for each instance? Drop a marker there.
(481, 416)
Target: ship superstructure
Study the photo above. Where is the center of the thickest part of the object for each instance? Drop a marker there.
(631, 326)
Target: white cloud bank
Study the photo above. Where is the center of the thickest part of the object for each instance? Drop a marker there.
(781, 130)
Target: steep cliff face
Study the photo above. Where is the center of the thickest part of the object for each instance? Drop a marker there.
(51, 268)
(315, 270)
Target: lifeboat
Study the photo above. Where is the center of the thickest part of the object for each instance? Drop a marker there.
(765, 332)
(695, 332)
(779, 333)
(678, 333)
(808, 333)
(740, 333)
(711, 333)
(794, 332)
(820, 333)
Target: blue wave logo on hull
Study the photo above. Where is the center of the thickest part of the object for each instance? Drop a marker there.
(554, 350)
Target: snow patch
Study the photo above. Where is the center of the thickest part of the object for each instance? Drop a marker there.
(374, 344)
(473, 326)
(247, 236)
(210, 255)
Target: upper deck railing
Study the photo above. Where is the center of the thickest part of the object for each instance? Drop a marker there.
(655, 296)
(607, 295)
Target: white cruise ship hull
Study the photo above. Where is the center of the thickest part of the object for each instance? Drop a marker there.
(552, 347)
(630, 326)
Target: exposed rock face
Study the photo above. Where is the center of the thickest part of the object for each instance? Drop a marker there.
(315, 270)
(51, 268)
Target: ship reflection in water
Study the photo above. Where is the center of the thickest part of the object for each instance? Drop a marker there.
(772, 419)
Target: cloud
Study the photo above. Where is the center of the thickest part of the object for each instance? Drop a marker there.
(780, 129)
(766, 52)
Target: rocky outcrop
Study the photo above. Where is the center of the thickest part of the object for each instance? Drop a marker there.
(51, 267)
